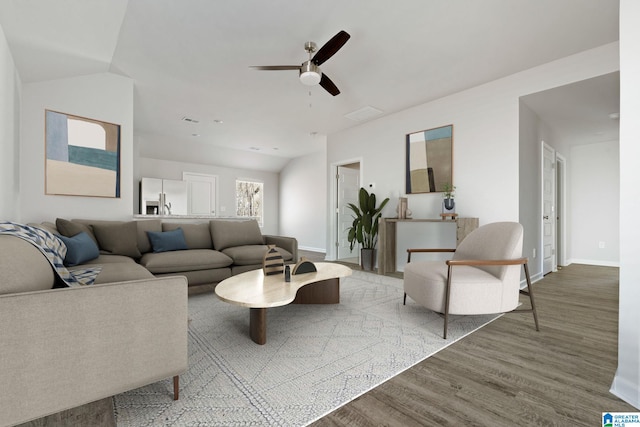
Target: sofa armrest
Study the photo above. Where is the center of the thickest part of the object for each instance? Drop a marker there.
(63, 348)
(288, 243)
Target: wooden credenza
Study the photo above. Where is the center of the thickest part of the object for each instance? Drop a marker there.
(387, 236)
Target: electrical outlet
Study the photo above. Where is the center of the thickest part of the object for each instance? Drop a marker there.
(601, 245)
(534, 252)
(223, 208)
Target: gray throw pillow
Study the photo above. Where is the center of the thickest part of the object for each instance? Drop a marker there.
(118, 238)
(71, 228)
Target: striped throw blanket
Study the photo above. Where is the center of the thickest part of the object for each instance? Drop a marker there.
(54, 250)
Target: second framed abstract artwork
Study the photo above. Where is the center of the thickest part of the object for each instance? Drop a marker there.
(429, 160)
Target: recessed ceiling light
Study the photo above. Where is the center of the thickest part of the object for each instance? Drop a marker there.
(254, 148)
(218, 121)
(195, 134)
(189, 119)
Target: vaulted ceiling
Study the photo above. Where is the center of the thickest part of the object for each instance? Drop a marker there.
(192, 58)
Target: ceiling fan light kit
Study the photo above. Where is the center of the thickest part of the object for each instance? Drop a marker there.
(309, 71)
(310, 74)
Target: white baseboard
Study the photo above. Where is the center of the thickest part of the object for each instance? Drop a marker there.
(594, 262)
(534, 279)
(625, 390)
(309, 248)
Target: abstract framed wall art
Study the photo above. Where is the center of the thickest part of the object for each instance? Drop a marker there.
(429, 159)
(82, 156)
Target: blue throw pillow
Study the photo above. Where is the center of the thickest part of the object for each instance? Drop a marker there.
(80, 248)
(163, 241)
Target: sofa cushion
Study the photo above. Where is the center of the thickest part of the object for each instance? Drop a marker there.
(110, 259)
(165, 241)
(118, 238)
(177, 261)
(230, 233)
(253, 254)
(196, 235)
(143, 226)
(23, 267)
(119, 272)
(80, 248)
(71, 228)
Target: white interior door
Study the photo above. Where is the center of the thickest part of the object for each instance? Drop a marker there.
(348, 181)
(201, 190)
(549, 263)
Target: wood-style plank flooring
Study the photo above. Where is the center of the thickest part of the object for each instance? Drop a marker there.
(507, 374)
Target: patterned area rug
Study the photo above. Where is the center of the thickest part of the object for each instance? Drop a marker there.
(317, 358)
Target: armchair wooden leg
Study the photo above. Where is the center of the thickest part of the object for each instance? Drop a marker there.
(446, 303)
(176, 387)
(530, 293)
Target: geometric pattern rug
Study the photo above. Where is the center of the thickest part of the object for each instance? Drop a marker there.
(316, 359)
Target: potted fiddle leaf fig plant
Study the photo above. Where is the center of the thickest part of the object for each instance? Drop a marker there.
(364, 229)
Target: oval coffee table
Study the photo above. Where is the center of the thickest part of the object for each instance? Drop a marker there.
(258, 292)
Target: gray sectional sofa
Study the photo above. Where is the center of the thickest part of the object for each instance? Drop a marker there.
(216, 249)
(62, 348)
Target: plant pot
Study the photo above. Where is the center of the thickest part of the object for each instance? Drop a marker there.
(367, 259)
(449, 205)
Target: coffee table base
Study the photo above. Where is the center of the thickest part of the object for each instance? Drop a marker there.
(323, 292)
(258, 325)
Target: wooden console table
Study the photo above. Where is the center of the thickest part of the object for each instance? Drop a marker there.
(387, 237)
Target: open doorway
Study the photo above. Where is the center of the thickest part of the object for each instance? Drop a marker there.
(549, 209)
(578, 120)
(561, 245)
(347, 185)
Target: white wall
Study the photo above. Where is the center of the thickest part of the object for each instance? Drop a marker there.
(532, 132)
(594, 171)
(486, 134)
(197, 150)
(155, 168)
(303, 202)
(626, 384)
(9, 134)
(107, 97)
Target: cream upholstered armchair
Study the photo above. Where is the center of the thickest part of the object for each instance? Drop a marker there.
(483, 277)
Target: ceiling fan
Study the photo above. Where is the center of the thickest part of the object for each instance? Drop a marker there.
(309, 71)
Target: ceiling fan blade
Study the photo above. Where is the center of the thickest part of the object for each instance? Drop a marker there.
(275, 67)
(331, 47)
(328, 85)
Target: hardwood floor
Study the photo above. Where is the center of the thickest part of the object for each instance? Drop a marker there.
(505, 374)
